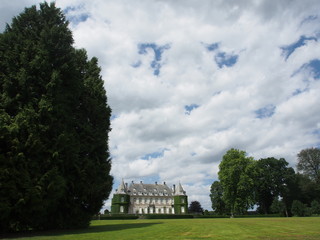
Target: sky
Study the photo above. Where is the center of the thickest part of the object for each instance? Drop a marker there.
(188, 80)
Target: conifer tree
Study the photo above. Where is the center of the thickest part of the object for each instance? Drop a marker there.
(54, 125)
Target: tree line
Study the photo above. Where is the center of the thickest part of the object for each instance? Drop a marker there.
(269, 184)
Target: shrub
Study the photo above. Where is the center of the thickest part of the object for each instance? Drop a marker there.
(167, 216)
(299, 209)
(315, 207)
(118, 217)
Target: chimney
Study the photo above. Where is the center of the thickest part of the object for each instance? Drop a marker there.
(174, 188)
(140, 182)
(126, 185)
(156, 183)
(164, 183)
(132, 182)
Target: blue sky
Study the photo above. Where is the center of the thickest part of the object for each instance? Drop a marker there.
(188, 81)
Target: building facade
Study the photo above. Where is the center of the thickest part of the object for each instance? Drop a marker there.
(140, 198)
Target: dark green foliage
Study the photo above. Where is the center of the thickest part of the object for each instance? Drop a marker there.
(180, 204)
(118, 217)
(299, 209)
(307, 190)
(120, 204)
(271, 178)
(216, 195)
(309, 163)
(244, 182)
(315, 207)
(167, 216)
(195, 207)
(54, 126)
(278, 207)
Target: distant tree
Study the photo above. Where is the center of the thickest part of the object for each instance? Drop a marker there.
(195, 207)
(216, 195)
(309, 163)
(206, 212)
(270, 181)
(235, 175)
(54, 125)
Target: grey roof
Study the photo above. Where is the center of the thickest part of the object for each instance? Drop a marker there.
(122, 188)
(150, 189)
(179, 190)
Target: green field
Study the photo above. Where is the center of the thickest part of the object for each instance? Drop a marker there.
(236, 228)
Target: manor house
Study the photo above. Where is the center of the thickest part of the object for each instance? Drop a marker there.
(140, 198)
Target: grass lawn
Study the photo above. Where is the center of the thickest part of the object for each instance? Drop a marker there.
(236, 228)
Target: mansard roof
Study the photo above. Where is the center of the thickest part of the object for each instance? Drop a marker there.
(150, 189)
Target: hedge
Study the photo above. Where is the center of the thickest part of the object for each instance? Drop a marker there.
(115, 217)
(167, 216)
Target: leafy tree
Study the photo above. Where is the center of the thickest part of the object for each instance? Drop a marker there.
(299, 209)
(309, 163)
(235, 174)
(290, 190)
(315, 207)
(195, 207)
(218, 204)
(270, 181)
(278, 206)
(54, 126)
(308, 190)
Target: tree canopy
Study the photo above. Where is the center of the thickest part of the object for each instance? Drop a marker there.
(216, 195)
(236, 181)
(195, 207)
(309, 163)
(271, 178)
(54, 128)
(268, 183)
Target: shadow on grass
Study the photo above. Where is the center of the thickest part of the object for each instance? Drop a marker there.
(91, 229)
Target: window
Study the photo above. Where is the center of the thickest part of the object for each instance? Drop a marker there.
(122, 199)
(182, 200)
(182, 209)
(121, 209)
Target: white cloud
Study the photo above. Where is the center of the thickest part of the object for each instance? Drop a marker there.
(149, 110)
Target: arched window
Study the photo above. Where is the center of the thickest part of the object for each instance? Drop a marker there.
(121, 209)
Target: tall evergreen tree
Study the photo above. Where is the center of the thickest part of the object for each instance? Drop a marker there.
(54, 125)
